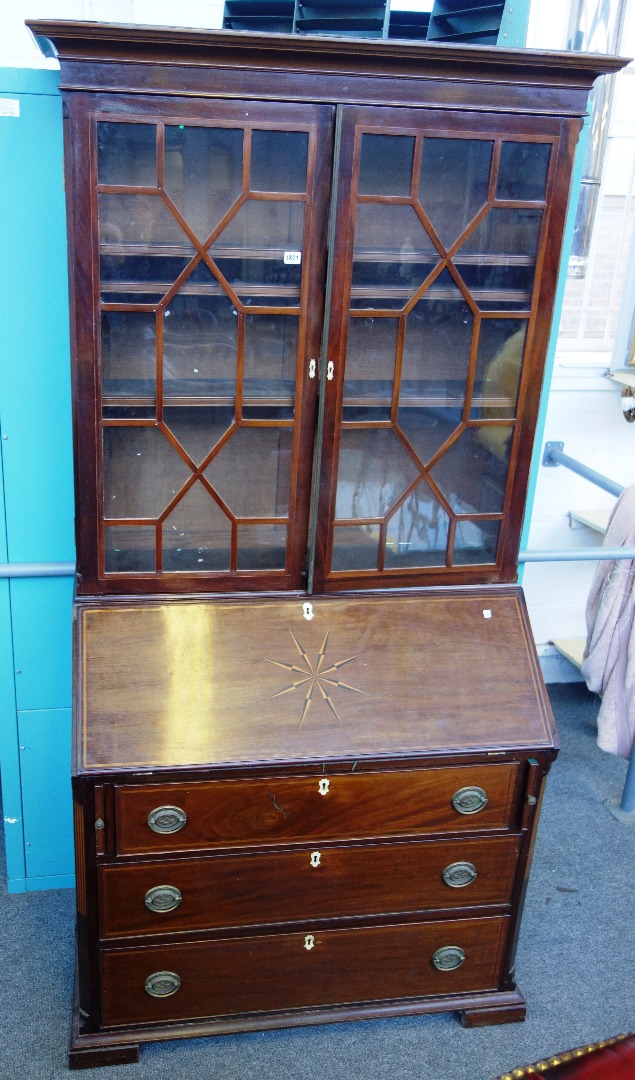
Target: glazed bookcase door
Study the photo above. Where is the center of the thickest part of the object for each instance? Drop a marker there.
(435, 345)
(206, 265)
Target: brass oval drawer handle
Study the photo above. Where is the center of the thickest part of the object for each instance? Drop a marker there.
(167, 819)
(448, 958)
(469, 800)
(163, 898)
(162, 984)
(459, 874)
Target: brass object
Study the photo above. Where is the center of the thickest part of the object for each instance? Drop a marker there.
(163, 898)
(99, 824)
(162, 984)
(448, 958)
(469, 800)
(552, 1063)
(459, 874)
(167, 819)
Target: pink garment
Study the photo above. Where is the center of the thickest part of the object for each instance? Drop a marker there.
(609, 658)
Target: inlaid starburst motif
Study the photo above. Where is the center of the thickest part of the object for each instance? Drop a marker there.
(315, 677)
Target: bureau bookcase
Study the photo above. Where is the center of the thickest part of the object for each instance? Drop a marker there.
(311, 294)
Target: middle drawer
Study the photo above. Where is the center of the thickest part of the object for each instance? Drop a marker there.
(308, 883)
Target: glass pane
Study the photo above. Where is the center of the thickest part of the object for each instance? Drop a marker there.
(472, 477)
(429, 428)
(149, 276)
(497, 439)
(475, 542)
(127, 154)
(130, 549)
(199, 347)
(128, 353)
(262, 547)
(141, 247)
(437, 347)
(386, 165)
(271, 349)
(393, 255)
(373, 472)
(279, 160)
(454, 183)
(252, 472)
(501, 345)
(197, 534)
(355, 548)
(203, 173)
(142, 220)
(257, 252)
(497, 260)
(141, 472)
(197, 429)
(128, 412)
(418, 532)
(522, 173)
(370, 362)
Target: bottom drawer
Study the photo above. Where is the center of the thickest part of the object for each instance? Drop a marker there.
(291, 971)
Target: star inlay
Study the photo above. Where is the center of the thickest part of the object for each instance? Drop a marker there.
(315, 677)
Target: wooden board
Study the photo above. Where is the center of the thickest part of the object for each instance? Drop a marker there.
(211, 682)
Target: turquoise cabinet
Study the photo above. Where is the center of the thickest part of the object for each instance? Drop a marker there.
(36, 510)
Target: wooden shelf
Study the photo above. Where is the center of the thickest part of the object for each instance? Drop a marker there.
(187, 251)
(397, 292)
(571, 648)
(478, 258)
(380, 255)
(195, 288)
(596, 519)
(195, 401)
(624, 376)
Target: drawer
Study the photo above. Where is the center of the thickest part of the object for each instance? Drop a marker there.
(293, 971)
(236, 813)
(287, 886)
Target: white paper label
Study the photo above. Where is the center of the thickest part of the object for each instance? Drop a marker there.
(9, 107)
(293, 258)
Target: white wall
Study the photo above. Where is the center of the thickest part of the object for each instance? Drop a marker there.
(584, 410)
(17, 48)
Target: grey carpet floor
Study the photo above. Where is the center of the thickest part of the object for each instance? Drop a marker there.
(575, 963)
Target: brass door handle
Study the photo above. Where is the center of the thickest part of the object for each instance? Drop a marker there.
(163, 898)
(469, 800)
(162, 983)
(459, 874)
(167, 819)
(448, 958)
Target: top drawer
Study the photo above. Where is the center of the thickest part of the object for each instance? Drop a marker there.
(236, 813)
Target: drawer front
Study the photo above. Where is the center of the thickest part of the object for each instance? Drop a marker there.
(235, 813)
(287, 886)
(289, 971)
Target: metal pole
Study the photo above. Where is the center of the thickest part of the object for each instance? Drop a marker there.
(37, 569)
(625, 812)
(591, 554)
(554, 456)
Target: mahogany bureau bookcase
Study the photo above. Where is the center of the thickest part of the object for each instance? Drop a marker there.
(311, 290)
